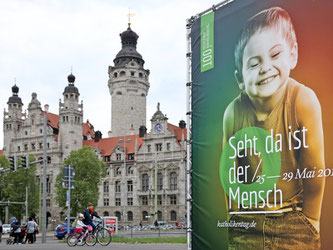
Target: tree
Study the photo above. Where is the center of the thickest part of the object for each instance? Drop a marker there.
(89, 171)
(13, 188)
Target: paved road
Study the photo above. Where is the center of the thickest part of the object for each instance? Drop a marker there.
(55, 245)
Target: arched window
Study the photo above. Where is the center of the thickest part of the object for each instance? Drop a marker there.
(118, 215)
(145, 216)
(106, 213)
(129, 216)
(140, 75)
(118, 93)
(122, 73)
(115, 74)
(159, 216)
(49, 159)
(173, 215)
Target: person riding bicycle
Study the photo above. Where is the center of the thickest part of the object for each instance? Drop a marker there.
(80, 227)
(88, 214)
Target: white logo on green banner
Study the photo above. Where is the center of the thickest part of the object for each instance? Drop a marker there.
(207, 42)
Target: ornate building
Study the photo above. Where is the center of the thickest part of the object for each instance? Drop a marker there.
(145, 171)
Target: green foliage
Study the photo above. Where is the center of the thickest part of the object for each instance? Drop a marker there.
(12, 188)
(89, 171)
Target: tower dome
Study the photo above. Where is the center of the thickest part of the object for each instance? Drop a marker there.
(71, 88)
(128, 52)
(15, 98)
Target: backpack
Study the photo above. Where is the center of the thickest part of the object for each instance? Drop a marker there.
(74, 223)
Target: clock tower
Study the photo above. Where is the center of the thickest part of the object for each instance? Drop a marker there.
(159, 122)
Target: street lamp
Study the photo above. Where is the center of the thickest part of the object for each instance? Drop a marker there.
(46, 107)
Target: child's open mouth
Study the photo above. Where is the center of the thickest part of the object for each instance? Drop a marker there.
(267, 80)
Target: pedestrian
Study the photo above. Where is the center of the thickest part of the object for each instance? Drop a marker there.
(36, 229)
(31, 228)
(16, 230)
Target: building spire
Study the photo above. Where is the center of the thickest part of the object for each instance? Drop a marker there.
(129, 17)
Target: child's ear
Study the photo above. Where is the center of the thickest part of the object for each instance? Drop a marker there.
(293, 56)
(239, 79)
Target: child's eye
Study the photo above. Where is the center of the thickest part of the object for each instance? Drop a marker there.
(275, 55)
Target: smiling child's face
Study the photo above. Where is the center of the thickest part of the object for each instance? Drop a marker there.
(267, 61)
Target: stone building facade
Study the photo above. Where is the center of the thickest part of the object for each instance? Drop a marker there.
(146, 172)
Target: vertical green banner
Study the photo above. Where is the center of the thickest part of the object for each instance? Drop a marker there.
(207, 42)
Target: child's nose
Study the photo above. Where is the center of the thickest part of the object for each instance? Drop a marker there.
(265, 67)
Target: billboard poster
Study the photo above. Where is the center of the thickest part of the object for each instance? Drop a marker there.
(262, 125)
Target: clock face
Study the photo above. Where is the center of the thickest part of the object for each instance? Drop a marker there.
(158, 128)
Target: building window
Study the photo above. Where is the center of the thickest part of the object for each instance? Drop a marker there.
(40, 145)
(130, 170)
(48, 184)
(159, 181)
(145, 216)
(117, 187)
(48, 202)
(129, 216)
(145, 182)
(118, 202)
(173, 180)
(106, 202)
(107, 158)
(118, 171)
(173, 216)
(130, 201)
(106, 213)
(25, 146)
(49, 159)
(173, 199)
(48, 145)
(159, 199)
(168, 146)
(26, 132)
(106, 187)
(41, 131)
(158, 146)
(118, 215)
(118, 156)
(18, 148)
(144, 200)
(130, 186)
(159, 216)
(130, 156)
(33, 122)
(149, 148)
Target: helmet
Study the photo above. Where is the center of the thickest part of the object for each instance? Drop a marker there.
(81, 215)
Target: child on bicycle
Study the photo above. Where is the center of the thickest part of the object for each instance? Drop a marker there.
(80, 227)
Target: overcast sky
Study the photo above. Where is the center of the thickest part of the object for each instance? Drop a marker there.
(41, 40)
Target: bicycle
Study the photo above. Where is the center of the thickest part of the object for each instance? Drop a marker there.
(80, 240)
(103, 235)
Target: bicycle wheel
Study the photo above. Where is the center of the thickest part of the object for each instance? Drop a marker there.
(103, 237)
(81, 241)
(91, 240)
(72, 240)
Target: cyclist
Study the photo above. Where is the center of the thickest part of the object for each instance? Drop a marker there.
(88, 214)
(80, 226)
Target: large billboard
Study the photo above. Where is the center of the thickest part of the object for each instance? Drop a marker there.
(262, 125)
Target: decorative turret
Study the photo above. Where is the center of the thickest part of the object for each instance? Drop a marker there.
(70, 118)
(128, 85)
(12, 120)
